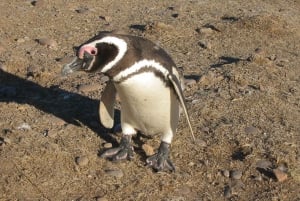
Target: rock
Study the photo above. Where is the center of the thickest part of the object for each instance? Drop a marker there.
(148, 149)
(101, 199)
(280, 175)
(48, 42)
(226, 173)
(205, 45)
(236, 174)
(115, 173)
(38, 3)
(205, 30)
(104, 79)
(227, 192)
(6, 140)
(251, 130)
(263, 164)
(82, 10)
(107, 145)
(20, 40)
(82, 161)
(189, 82)
(2, 65)
(89, 87)
(24, 126)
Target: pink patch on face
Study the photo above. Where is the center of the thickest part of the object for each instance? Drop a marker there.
(86, 48)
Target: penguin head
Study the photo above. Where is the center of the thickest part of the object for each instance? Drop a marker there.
(93, 55)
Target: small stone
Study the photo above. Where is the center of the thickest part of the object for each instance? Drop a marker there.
(89, 87)
(107, 145)
(82, 161)
(20, 40)
(189, 82)
(263, 164)
(258, 177)
(236, 174)
(115, 173)
(104, 79)
(38, 3)
(24, 126)
(226, 173)
(280, 175)
(48, 42)
(101, 199)
(148, 149)
(227, 192)
(205, 45)
(6, 140)
(205, 30)
(2, 65)
(251, 130)
(163, 26)
(82, 10)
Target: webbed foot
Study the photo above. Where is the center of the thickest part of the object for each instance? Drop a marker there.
(124, 151)
(161, 161)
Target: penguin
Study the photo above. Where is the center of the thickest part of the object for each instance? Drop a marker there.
(149, 87)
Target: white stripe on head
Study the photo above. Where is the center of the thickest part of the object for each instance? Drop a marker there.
(140, 65)
(119, 43)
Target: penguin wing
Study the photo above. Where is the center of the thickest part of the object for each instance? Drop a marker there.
(107, 102)
(176, 86)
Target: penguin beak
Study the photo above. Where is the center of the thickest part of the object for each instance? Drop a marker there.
(83, 64)
(75, 65)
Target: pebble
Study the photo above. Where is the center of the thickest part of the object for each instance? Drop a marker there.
(227, 191)
(280, 175)
(104, 79)
(205, 45)
(226, 173)
(163, 26)
(82, 161)
(189, 82)
(24, 126)
(48, 42)
(115, 173)
(107, 145)
(263, 164)
(236, 174)
(251, 130)
(148, 149)
(38, 3)
(6, 140)
(3, 66)
(82, 10)
(89, 87)
(101, 199)
(205, 30)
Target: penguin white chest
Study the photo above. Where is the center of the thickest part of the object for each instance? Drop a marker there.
(147, 104)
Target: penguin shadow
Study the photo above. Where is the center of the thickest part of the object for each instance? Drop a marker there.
(73, 108)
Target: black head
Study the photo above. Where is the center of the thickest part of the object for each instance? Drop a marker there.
(93, 55)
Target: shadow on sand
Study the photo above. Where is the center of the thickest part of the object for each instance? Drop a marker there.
(71, 107)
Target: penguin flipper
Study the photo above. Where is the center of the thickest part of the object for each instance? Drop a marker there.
(107, 102)
(177, 88)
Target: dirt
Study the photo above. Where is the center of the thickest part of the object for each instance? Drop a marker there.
(241, 61)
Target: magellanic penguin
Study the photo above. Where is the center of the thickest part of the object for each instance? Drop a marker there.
(148, 84)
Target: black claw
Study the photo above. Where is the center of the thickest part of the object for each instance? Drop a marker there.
(161, 161)
(124, 151)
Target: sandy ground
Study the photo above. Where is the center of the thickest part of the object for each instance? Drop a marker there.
(241, 61)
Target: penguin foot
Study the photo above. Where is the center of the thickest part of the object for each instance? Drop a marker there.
(161, 161)
(124, 151)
